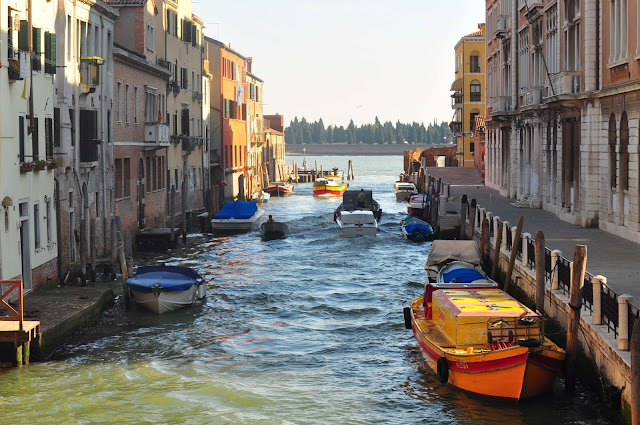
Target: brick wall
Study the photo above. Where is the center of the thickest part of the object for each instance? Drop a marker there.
(433, 153)
(45, 273)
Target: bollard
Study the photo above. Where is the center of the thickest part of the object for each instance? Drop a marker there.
(496, 219)
(525, 248)
(505, 224)
(540, 271)
(573, 323)
(480, 213)
(623, 322)
(496, 252)
(555, 254)
(597, 281)
(514, 236)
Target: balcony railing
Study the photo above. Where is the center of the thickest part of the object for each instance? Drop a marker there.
(500, 104)
(455, 126)
(531, 97)
(567, 82)
(156, 134)
(502, 26)
(196, 95)
(89, 151)
(456, 100)
(90, 72)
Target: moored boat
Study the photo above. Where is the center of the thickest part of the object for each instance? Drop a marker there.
(271, 229)
(357, 223)
(417, 230)
(403, 189)
(474, 335)
(358, 200)
(330, 185)
(166, 288)
(280, 189)
(416, 204)
(260, 196)
(236, 217)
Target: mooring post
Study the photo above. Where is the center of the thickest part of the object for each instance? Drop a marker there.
(505, 230)
(114, 248)
(486, 243)
(83, 250)
(597, 282)
(496, 220)
(172, 216)
(555, 281)
(575, 304)
(525, 252)
(496, 253)
(128, 249)
(464, 206)
(185, 199)
(18, 361)
(635, 375)
(123, 259)
(473, 218)
(26, 352)
(540, 270)
(92, 242)
(514, 252)
(623, 321)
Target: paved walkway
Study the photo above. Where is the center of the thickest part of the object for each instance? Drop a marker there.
(611, 256)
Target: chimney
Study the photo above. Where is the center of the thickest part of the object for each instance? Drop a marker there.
(249, 62)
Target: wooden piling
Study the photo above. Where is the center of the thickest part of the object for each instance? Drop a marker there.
(635, 375)
(83, 250)
(114, 248)
(515, 246)
(464, 206)
(540, 271)
(129, 252)
(183, 212)
(496, 253)
(92, 249)
(121, 254)
(473, 218)
(172, 217)
(485, 241)
(575, 304)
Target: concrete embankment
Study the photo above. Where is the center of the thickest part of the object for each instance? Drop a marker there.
(357, 149)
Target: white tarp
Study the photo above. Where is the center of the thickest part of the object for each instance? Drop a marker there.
(442, 251)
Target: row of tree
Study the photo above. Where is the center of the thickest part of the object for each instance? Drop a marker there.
(305, 132)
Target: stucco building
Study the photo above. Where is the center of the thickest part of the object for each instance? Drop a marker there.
(468, 99)
(273, 153)
(255, 131)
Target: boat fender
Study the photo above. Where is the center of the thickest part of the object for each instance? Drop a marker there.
(526, 321)
(511, 337)
(407, 318)
(443, 370)
(530, 342)
(489, 337)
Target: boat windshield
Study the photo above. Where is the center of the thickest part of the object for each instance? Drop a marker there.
(354, 197)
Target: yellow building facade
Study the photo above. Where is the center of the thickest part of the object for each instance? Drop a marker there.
(468, 98)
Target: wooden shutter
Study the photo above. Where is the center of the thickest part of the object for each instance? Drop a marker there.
(169, 21)
(194, 35)
(23, 36)
(50, 53)
(37, 49)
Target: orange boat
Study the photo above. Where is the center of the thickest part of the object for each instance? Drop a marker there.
(483, 340)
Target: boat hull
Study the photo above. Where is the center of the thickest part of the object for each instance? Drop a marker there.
(280, 189)
(162, 302)
(273, 230)
(329, 190)
(233, 225)
(402, 196)
(515, 372)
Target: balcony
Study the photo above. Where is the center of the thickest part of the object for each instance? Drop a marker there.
(214, 158)
(457, 100)
(532, 97)
(533, 10)
(156, 134)
(174, 87)
(456, 127)
(196, 95)
(500, 104)
(502, 27)
(89, 152)
(90, 73)
(567, 82)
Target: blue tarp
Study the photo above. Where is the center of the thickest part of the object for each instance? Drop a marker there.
(463, 275)
(168, 278)
(237, 210)
(418, 229)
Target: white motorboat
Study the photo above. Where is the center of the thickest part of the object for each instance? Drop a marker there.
(237, 217)
(403, 190)
(357, 223)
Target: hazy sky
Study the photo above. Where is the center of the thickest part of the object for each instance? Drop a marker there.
(342, 59)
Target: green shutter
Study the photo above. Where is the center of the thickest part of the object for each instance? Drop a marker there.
(53, 52)
(37, 49)
(23, 36)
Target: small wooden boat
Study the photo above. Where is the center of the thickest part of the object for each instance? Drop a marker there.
(417, 203)
(357, 223)
(260, 197)
(417, 230)
(165, 288)
(236, 217)
(403, 189)
(474, 335)
(271, 229)
(330, 185)
(280, 189)
(358, 200)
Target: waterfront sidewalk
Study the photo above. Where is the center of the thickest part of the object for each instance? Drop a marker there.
(611, 256)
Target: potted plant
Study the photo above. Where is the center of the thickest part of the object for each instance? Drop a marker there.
(26, 167)
(40, 164)
(14, 69)
(54, 163)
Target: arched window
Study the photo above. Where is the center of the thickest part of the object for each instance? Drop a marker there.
(624, 152)
(612, 151)
(474, 91)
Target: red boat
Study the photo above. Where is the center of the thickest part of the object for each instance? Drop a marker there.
(279, 189)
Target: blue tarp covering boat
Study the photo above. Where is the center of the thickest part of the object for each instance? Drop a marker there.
(417, 230)
(463, 275)
(167, 278)
(237, 210)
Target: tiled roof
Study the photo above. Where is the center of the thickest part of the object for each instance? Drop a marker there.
(117, 2)
(475, 34)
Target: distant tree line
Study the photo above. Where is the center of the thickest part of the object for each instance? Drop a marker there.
(305, 132)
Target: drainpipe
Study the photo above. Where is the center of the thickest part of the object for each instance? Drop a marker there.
(597, 65)
(101, 127)
(58, 226)
(514, 56)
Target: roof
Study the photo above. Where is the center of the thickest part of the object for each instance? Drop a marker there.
(126, 2)
(475, 34)
(480, 123)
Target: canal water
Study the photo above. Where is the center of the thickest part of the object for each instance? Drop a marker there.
(306, 330)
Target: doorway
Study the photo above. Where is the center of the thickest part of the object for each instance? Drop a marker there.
(25, 251)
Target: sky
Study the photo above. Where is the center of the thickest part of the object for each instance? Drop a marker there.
(348, 59)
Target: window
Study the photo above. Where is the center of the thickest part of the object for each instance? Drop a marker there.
(148, 176)
(150, 39)
(37, 49)
(195, 82)
(126, 103)
(472, 120)
(48, 137)
(187, 31)
(184, 77)
(49, 53)
(22, 138)
(475, 95)
(150, 114)
(69, 37)
(252, 91)
(127, 177)
(97, 204)
(35, 139)
(172, 23)
(56, 126)
(471, 148)
(257, 94)
(474, 64)
(118, 173)
(175, 124)
(135, 105)
(10, 51)
(118, 102)
(184, 124)
(36, 226)
(47, 209)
